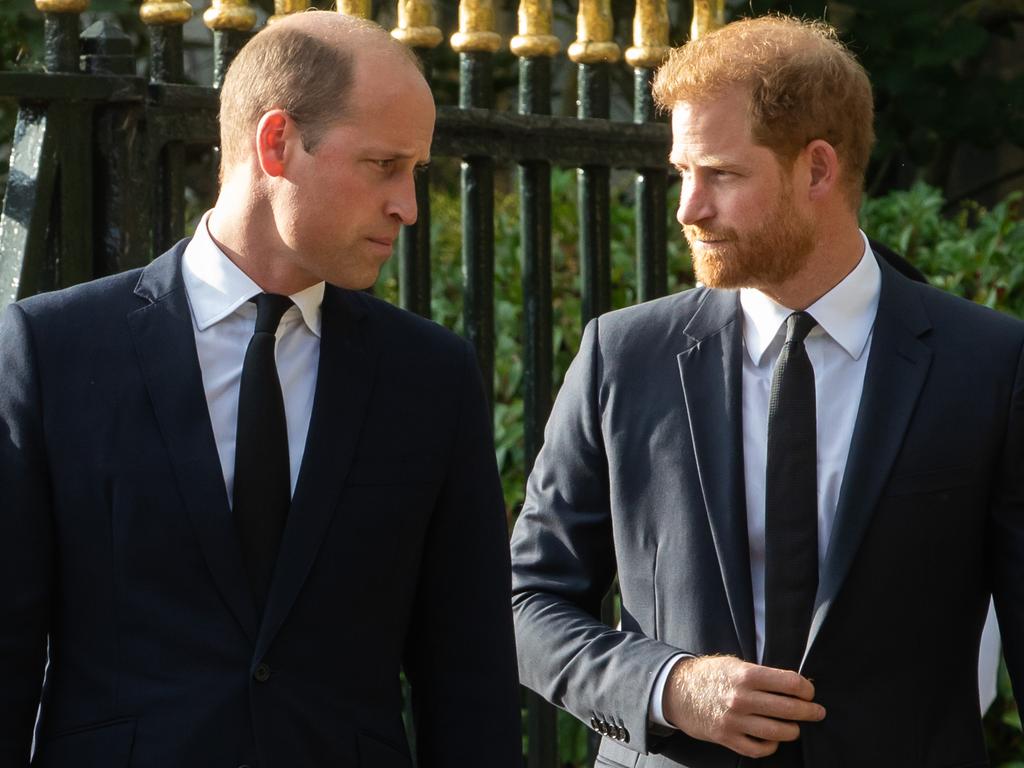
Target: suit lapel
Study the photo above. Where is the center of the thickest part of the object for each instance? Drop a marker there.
(165, 345)
(897, 367)
(344, 384)
(711, 372)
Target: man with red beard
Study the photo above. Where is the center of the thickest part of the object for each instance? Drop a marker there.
(806, 473)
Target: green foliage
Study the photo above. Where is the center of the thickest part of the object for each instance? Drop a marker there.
(975, 253)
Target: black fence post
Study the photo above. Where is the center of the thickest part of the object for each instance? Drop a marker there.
(650, 47)
(535, 45)
(164, 20)
(120, 190)
(593, 52)
(416, 29)
(476, 42)
(231, 22)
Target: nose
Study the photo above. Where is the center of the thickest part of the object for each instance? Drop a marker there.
(402, 201)
(694, 202)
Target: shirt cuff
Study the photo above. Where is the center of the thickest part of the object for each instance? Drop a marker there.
(656, 714)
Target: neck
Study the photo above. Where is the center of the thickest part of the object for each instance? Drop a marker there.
(244, 227)
(830, 261)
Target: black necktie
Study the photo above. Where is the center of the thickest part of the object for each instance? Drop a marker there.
(262, 491)
(791, 501)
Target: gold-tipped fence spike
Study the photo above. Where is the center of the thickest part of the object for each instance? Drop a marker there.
(416, 24)
(650, 34)
(165, 12)
(534, 38)
(476, 28)
(594, 34)
(229, 14)
(284, 8)
(62, 6)
(359, 8)
(708, 15)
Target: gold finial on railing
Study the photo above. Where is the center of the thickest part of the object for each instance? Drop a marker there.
(416, 24)
(594, 34)
(229, 14)
(708, 15)
(158, 12)
(62, 6)
(476, 28)
(284, 8)
(650, 34)
(534, 38)
(360, 8)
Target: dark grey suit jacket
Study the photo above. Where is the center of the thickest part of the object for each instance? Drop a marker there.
(641, 474)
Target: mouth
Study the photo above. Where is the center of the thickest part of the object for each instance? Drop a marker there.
(706, 239)
(383, 242)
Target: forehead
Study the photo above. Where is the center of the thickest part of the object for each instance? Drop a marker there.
(714, 124)
(390, 111)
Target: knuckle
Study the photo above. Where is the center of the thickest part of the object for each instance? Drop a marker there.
(757, 748)
(732, 700)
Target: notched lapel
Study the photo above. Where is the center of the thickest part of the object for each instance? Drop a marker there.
(896, 372)
(348, 362)
(166, 348)
(711, 372)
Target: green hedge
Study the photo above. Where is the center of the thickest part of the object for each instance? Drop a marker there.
(974, 252)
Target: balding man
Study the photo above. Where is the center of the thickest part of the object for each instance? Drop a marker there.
(239, 497)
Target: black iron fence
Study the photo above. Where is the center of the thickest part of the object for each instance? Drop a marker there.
(96, 182)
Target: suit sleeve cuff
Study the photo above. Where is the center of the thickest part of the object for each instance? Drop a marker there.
(655, 712)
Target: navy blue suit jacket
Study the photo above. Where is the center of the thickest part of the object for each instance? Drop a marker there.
(117, 546)
(641, 474)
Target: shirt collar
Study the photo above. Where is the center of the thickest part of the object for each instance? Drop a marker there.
(216, 287)
(846, 313)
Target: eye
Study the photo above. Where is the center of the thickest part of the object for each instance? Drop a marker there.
(384, 164)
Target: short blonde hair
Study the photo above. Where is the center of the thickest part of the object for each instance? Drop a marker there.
(804, 85)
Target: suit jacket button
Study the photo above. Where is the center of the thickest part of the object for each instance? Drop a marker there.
(262, 673)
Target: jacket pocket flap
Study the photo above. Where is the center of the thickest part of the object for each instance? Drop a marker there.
(374, 753)
(99, 745)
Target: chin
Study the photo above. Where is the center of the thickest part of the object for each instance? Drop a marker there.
(355, 282)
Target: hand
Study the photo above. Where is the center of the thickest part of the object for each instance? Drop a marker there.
(745, 707)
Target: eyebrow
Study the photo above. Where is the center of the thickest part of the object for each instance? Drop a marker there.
(708, 161)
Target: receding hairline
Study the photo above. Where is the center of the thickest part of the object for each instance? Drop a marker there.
(353, 35)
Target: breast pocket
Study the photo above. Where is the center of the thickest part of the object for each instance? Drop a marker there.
(939, 481)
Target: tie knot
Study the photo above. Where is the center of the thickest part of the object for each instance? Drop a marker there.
(798, 325)
(270, 307)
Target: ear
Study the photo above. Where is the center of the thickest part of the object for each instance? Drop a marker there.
(823, 164)
(274, 132)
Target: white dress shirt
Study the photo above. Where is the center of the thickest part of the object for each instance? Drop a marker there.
(223, 320)
(838, 350)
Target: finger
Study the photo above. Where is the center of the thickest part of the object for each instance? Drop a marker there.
(779, 681)
(751, 747)
(784, 707)
(769, 729)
